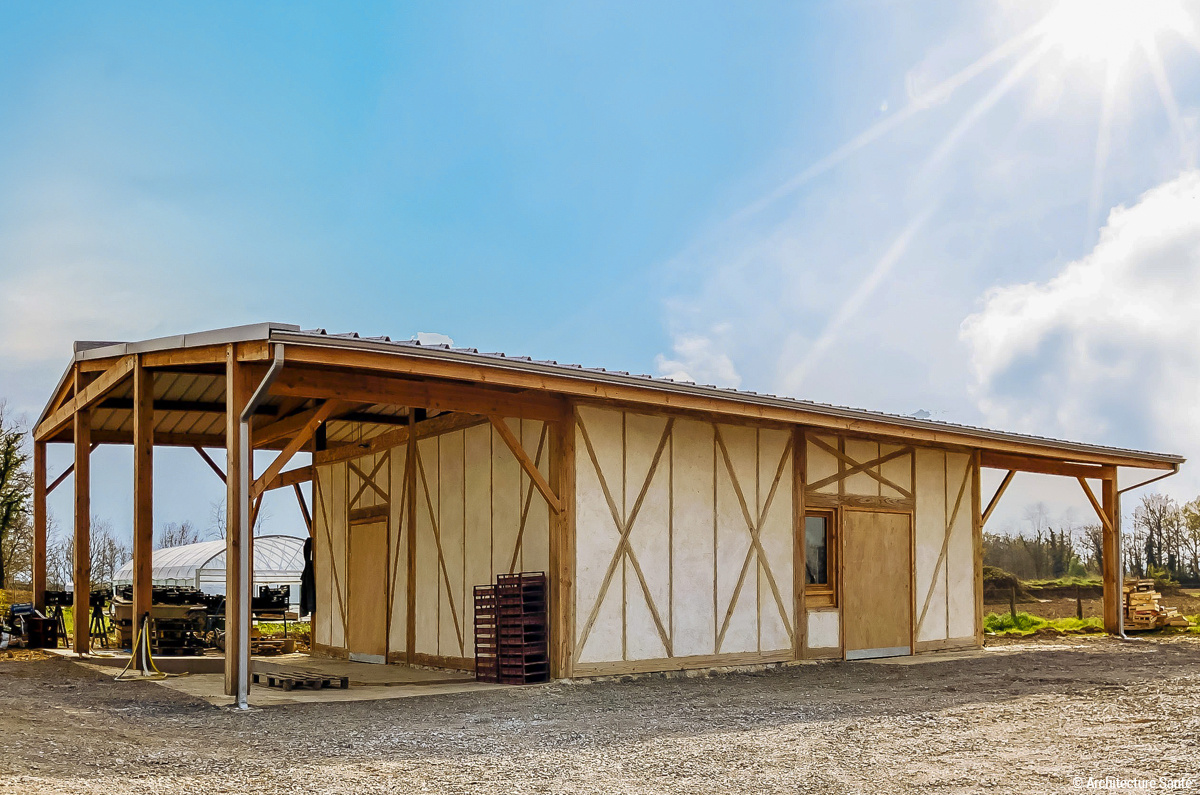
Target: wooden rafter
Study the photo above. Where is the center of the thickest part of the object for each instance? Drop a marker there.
(527, 464)
(85, 397)
(432, 427)
(287, 427)
(298, 441)
(1042, 466)
(996, 497)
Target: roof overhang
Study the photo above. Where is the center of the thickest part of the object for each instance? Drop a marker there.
(432, 364)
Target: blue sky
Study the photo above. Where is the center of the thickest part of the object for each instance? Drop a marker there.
(626, 186)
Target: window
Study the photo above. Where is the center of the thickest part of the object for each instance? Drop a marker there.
(820, 558)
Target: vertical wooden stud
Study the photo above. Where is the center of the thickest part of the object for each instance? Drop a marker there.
(977, 541)
(82, 422)
(410, 641)
(39, 526)
(562, 546)
(1111, 563)
(799, 580)
(143, 489)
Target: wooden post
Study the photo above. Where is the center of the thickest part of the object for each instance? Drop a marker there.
(1111, 563)
(410, 630)
(39, 526)
(237, 395)
(1012, 603)
(143, 491)
(799, 464)
(82, 421)
(562, 546)
(976, 539)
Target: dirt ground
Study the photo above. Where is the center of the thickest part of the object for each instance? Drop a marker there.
(1032, 716)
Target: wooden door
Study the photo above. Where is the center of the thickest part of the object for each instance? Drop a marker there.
(366, 631)
(877, 584)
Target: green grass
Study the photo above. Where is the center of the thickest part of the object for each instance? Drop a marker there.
(295, 629)
(1025, 624)
(1065, 582)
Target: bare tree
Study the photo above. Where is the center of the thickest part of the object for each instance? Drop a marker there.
(177, 534)
(106, 553)
(218, 517)
(16, 494)
(1158, 517)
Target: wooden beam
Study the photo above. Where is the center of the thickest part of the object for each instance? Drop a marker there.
(70, 468)
(1111, 557)
(143, 490)
(293, 477)
(320, 414)
(987, 513)
(439, 396)
(39, 525)
(82, 565)
(514, 444)
(443, 423)
(581, 385)
(211, 464)
(85, 397)
(304, 509)
(287, 427)
(1096, 506)
(410, 508)
(562, 548)
(1042, 466)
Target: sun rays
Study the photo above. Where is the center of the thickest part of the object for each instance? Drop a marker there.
(1108, 38)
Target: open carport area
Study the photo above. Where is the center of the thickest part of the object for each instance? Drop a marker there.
(1026, 717)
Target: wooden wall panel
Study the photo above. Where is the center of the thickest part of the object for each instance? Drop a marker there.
(322, 552)
(451, 530)
(861, 483)
(897, 470)
(535, 545)
(428, 568)
(693, 607)
(824, 629)
(506, 502)
(821, 463)
(960, 551)
(398, 564)
(706, 573)
(477, 519)
(930, 529)
(337, 525)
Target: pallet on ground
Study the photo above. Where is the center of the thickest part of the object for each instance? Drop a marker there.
(290, 680)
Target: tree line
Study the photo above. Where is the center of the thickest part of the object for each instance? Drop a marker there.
(1160, 539)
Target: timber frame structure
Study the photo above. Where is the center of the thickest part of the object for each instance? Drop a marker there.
(670, 517)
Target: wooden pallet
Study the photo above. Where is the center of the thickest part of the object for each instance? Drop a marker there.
(290, 680)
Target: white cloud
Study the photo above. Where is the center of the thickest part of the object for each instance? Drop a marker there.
(701, 359)
(1108, 349)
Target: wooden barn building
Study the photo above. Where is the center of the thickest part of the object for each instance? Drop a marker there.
(681, 526)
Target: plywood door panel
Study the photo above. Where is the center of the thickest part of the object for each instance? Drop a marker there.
(367, 618)
(876, 584)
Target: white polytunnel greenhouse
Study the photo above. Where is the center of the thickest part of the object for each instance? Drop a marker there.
(278, 560)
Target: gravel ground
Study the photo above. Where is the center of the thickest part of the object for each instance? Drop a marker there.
(1028, 717)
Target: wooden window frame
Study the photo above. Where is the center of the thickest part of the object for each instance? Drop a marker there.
(824, 595)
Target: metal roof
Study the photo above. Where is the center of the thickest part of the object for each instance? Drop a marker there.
(288, 333)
